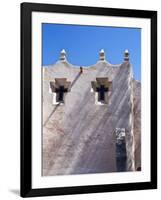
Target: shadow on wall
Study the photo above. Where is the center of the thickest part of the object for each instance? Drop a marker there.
(55, 108)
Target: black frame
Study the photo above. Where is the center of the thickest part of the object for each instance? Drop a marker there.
(26, 104)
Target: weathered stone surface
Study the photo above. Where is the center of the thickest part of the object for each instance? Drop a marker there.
(79, 136)
(137, 123)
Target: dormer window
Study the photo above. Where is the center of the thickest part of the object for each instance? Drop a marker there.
(59, 88)
(101, 87)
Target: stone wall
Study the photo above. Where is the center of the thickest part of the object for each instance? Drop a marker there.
(79, 136)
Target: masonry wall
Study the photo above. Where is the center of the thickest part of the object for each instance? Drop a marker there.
(79, 136)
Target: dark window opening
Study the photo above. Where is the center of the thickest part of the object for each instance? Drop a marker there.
(60, 93)
(121, 156)
(101, 92)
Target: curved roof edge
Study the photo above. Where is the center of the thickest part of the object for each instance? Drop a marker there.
(70, 65)
(101, 61)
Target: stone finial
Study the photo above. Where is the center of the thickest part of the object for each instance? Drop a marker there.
(126, 55)
(63, 55)
(102, 55)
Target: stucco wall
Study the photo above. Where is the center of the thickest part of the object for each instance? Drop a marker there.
(79, 136)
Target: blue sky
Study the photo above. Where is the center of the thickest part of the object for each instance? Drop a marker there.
(83, 43)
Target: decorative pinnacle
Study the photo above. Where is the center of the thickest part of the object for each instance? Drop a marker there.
(102, 55)
(126, 55)
(63, 55)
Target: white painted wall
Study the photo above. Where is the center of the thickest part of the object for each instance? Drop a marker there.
(9, 101)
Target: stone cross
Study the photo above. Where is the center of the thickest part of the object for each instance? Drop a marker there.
(102, 89)
(59, 87)
(60, 91)
(101, 86)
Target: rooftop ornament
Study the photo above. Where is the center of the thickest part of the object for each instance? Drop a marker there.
(102, 55)
(63, 55)
(126, 55)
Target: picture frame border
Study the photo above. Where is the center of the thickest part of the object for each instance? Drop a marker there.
(26, 99)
